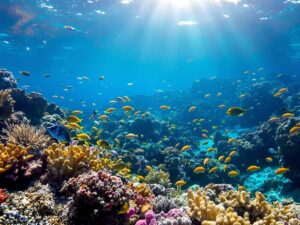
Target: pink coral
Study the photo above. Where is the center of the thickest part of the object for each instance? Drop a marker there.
(3, 196)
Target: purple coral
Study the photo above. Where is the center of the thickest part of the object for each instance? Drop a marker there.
(174, 216)
(150, 219)
(97, 198)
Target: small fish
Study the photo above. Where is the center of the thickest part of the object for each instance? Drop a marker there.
(180, 183)
(103, 117)
(269, 159)
(59, 132)
(207, 95)
(185, 148)
(213, 170)
(204, 136)
(287, 115)
(235, 111)
(253, 168)
(222, 106)
(127, 108)
(148, 168)
(165, 107)
(206, 161)
(25, 73)
(140, 178)
(75, 126)
(110, 110)
(211, 149)
(233, 173)
(192, 108)
(272, 151)
(221, 158)
(76, 112)
(124, 208)
(227, 160)
(83, 137)
(120, 99)
(101, 77)
(294, 130)
(199, 169)
(70, 28)
(281, 170)
(73, 119)
(131, 136)
(230, 140)
(274, 119)
(103, 144)
(232, 153)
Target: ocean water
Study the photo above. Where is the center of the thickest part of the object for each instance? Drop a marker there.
(179, 66)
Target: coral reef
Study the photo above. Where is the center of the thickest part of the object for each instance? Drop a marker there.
(97, 198)
(6, 105)
(7, 80)
(3, 196)
(26, 135)
(174, 217)
(158, 177)
(69, 161)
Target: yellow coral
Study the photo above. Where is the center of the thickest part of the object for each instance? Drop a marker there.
(158, 177)
(11, 154)
(237, 208)
(73, 160)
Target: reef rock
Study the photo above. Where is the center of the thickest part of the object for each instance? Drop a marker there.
(7, 80)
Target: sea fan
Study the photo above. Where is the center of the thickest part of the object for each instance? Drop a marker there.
(26, 135)
(6, 104)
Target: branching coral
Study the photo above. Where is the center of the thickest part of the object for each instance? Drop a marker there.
(237, 208)
(26, 135)
(98, 198)
(6, 104)
(158, 177)
(70, 161)
(143, 197)
(11, 154)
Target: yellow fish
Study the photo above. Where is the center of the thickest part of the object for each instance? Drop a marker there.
(253, 168)
(230, 140)
(211, 149)
(76, 112)
(235, 111)
(277, 94)
(227, 160)
(269, 159)
(127, 108)
(281, 170)
(149, 168)
(206, 161)
(232, 153)
(213, 170)
(233, 173)
(199, 169)
(140, 178)
(75, 126)
(273, 119)
(165, 107)
(180, 183)
(287, 115)
(294, 130)
(224, 167)
(103, 144)
(109, 110)
(124, 208)
(103, 117)
(221, 158)
(83, 137)
(185, 148)
(192, 108)
(282, 90)
(73, 119)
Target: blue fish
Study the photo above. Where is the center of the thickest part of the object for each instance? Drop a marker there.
(272, 150)
(59, 132)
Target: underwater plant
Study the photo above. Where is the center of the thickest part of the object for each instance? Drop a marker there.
(26, 135)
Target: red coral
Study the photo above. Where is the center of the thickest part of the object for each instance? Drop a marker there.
(3, 196)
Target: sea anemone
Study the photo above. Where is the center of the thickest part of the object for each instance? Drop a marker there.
(26, 135)
(6, 104)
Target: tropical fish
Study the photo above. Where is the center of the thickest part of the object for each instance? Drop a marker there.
(213, 170)
(73, 119)
(227, 160)
(253, 168)
(230, 140)
(70, 28)
(269, 159)
(180, 183)
(222, 106)
(232, 153)
(148, 168)
(235, 111)
(131, 136)
(76, 112)
(221, 158)
(287, 115)
(83, 137)
(185, 148)
(101, 77)
(199, 169)
(110, 110)
(25, 73)
(274, 119)
(127, 108)
(206, 161)
(192, 108)
(211, 149)
(233, 173)
(272, 150)
(124, 208)
(59, 132)
(103, 144)
(75, 126)
(165, 107)
(294, 130)
(103, 117)
(281, 170)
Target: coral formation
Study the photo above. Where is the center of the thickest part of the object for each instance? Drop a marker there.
(7, 80)
(26, 135)
(158, 177)
(70, 161)
(97, 198)
(6, 105)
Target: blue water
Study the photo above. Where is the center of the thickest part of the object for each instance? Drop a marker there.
(157, 45)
